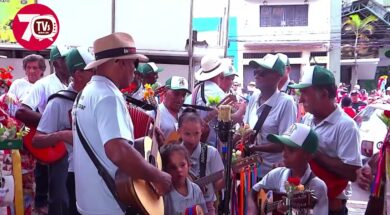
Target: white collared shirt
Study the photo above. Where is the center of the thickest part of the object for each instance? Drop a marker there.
(176, 203)
(276, 178)
(339, 138)
(102, 115)
(281, 116)
(213, 164)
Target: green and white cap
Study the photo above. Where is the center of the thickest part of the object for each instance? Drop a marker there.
(270, 62)
(149, 68)
(284, 58)
(315, 76)
(78, 58)
(177, 83)
(231, 71)
(58, 52)
(297, 136)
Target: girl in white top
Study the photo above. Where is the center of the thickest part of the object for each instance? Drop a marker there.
(185, 194)
(190, 129)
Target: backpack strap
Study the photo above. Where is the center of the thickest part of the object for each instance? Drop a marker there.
(64, 94)
(203, 160)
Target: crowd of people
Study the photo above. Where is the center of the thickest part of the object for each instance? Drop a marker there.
(303, 130)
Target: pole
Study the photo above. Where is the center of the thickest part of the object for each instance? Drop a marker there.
(112, 16)
(227, 29)
(228, 184)
(191, 50)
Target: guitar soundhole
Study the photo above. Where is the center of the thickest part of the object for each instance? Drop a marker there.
(152, 160)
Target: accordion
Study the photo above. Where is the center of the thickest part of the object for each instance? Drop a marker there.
(141, 121)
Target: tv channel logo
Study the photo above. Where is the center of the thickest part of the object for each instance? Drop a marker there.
(36, 27)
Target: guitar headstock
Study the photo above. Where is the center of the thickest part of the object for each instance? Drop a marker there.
(245, 162)
(149, 95)
(304, 199)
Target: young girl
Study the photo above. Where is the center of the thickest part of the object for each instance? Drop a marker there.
(185, 194)
(190, 129)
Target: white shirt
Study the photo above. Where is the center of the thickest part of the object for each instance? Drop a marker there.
(57, 117)
(276, 178)
(41, 90)
(338, 137)
(102, 116)
(213, 164)
(211, 89)
(283, 113)
(168, 123)
(175, 203)
(20, 88)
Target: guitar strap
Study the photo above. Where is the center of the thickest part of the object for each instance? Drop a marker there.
(311, 176)
(261, 120)
(64, 94)
(100, 168)
(203, 160)
(195, 94)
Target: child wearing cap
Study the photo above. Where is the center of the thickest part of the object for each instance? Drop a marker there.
(300, 142)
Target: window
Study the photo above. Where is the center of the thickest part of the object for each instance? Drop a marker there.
(283, 15)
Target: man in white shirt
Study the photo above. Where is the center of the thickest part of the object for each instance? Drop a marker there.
(176, 91)
(210, 75)
(37, 100)
(268, 72)
(34, 66)
(338, 155)
(55, 126)
(102, 118)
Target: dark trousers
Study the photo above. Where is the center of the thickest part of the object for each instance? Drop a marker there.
(70, 184)
(41, 185)
(343, 211)
(58, 194)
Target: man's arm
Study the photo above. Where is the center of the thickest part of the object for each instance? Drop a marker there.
(336, 166)
(130, 161)
(28, 116)
(42, 140)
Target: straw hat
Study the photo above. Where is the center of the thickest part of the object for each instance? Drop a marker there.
(212, 66)
(114, 46)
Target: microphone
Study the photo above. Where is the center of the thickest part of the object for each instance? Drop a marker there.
(224, 122)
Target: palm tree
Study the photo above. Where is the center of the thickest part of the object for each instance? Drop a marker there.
(361, 29)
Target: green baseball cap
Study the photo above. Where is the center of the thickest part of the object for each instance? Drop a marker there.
(78, 58)
(297, 136)
(315, 76)
(269, 62)
(149, 68)
(58, 52)
(284, 58)
(177, 83)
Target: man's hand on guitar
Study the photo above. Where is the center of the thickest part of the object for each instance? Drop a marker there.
(282, 207)
(364, 177)
(162, 183)
(159, 136)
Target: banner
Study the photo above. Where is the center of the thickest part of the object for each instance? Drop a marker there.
(8, 10)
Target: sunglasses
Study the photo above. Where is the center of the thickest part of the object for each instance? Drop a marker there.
(136, 63)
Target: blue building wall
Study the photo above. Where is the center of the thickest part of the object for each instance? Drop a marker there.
(206, 24)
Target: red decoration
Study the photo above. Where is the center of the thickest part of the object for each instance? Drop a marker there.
(294, 180)
(386, 113)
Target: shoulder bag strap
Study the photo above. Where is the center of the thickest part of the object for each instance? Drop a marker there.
(101, 170)
(203, 160)
(64, 94)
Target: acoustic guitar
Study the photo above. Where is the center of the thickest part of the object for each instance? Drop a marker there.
(202, 182)
(138, 193)
(268, 201)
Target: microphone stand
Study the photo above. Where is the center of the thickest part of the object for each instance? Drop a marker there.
(225, 133)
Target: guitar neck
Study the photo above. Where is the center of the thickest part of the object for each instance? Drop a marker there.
(201, 182)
